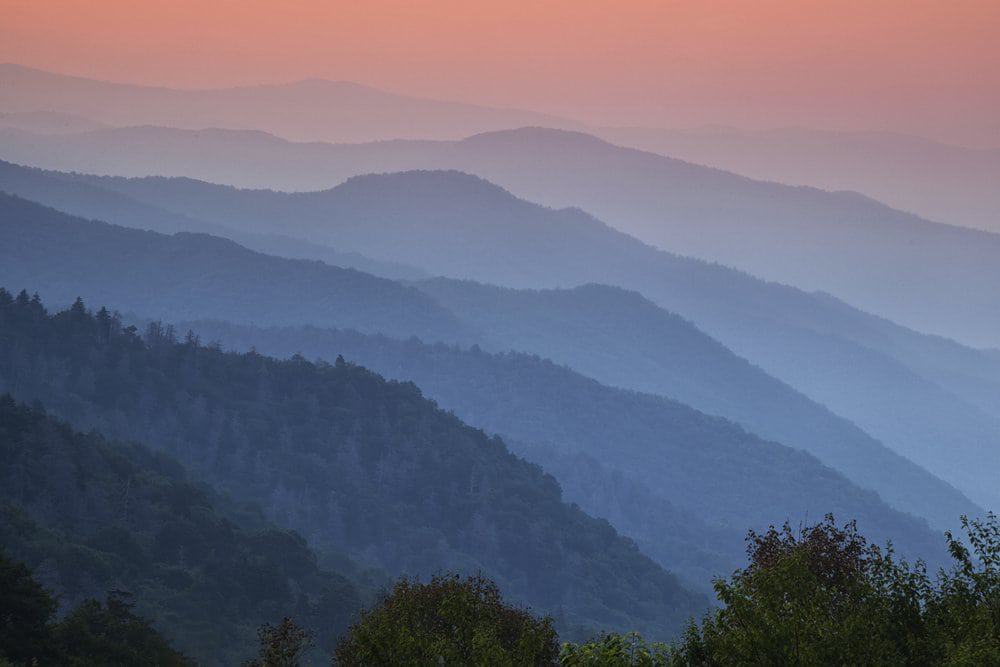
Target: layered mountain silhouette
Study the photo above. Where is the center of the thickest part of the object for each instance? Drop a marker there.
(614, 335)
(196, 275)
(934, 180)
(931, 400)
(678, 481)
(935, 278)
(304, 110)
(353, 462)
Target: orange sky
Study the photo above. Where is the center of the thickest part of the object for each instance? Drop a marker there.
(931, 68)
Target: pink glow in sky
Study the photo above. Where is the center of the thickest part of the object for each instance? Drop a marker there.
(930, 68)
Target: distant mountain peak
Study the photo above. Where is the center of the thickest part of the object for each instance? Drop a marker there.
(535, 133)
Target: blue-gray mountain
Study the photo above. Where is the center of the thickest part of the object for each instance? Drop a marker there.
(931, 400)
(191, 275)
(932, 277)
(353, 462)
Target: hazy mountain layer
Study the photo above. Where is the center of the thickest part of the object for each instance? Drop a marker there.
(934, 180)
(70, 194)
(353, 462)
(680, 482)
(303, 110)
(931, 277)
(196, 275)
(930, 400)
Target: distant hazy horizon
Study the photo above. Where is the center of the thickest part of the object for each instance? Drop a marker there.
(912, 67)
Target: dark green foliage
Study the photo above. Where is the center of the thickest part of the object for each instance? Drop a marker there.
(356, 463)
(612, 649)
(823, 595)
(93, 515)
(110, 634)
(91, 635)
(282, 645)
(25, 610)
(447, 621)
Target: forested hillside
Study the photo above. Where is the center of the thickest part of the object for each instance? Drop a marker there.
(94, 516)
(353, 462)
(624, 340)
(684, 484)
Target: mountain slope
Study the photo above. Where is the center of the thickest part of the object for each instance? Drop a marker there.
(622, 339)
(303, 110)
(72, 195)
(352, 461)
(682, 483)
(934, 180)
(93, 516)
(195, 275)
(930, 277)
(461, 226)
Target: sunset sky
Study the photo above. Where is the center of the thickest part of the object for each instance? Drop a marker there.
(929, 68)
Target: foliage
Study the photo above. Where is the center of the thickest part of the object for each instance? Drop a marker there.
(823, 595)
(355, 463)
(282, 645)
(25, 610)
(99, 515)
(448, 621)
(615, 649)
(92, 634)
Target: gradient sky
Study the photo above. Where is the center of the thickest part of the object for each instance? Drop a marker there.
(930, 68)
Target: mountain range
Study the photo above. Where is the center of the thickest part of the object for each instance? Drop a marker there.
(931, 277)
(312, 109)
(911, 391)
(936, 181)
(83, 263)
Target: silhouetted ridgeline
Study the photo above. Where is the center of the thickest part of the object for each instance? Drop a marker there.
(907, 390)
(196, 275)
(617, 336)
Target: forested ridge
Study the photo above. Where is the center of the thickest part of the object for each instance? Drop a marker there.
(353, 462)
(93, 515)
(684, 484)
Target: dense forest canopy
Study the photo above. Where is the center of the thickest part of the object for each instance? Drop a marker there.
(357, 464)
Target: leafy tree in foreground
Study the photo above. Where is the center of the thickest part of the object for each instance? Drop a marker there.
(282, 645)
(615, 649)
(823, 595)
(448, 621)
